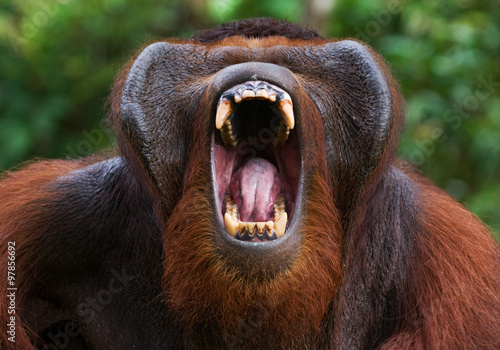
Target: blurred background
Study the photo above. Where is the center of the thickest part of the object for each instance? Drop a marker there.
(58, 59)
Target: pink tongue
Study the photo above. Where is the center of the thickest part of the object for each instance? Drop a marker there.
(255, 187)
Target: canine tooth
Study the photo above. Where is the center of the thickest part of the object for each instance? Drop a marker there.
(237, 98)
(280, 225)
(286, 109)
(262, 93)
(231, 224)
(224, 110)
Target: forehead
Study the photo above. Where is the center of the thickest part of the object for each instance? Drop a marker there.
(267, 42)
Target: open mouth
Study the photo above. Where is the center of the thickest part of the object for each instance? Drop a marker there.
(256, 161)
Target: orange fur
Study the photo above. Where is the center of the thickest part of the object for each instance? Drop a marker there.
(386, 260)
(258, 309)
(453, 299)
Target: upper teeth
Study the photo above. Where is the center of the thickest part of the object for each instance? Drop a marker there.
(253, 90)
(285, 106)
(224, 110)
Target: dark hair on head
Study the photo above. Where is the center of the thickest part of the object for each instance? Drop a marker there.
(256, 28)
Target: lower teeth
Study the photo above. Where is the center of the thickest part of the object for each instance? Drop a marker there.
(236, 227)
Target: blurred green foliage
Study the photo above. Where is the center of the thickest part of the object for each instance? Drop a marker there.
(58, 59)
